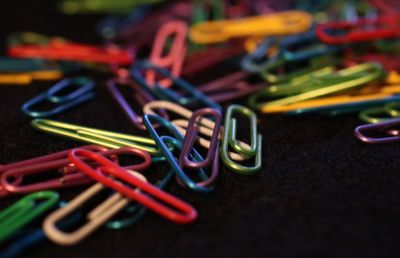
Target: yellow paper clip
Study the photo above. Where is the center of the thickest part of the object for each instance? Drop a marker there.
(281, 23)
(25, 78)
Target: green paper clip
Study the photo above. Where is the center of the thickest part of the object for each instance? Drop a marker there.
(25, 210)
(104, 138)
(230, 140)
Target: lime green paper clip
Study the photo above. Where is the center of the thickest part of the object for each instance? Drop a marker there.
(24, 211)
(316, 85)
(101, 6)
(96, 136)
(380, 114)
(253, 150)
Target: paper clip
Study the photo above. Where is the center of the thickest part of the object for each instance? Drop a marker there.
(163, 141)
(380, 114)
(383, 27)
(281, 23)
(82, 94)
(319, 86)
(104, 138)
(206, 126)
(386, 6)
(174, 59)
(192, 96)
(24, 211)
(56, 50)
(230, 140)
(181, 212)
(69, 175)
(96, 217)
(101, 6)
(141, 96)
(26, 78)
(389, 127)
(230, 87)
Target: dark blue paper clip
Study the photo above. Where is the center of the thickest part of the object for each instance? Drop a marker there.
(164, 142)
(83, 93)
(193, 96)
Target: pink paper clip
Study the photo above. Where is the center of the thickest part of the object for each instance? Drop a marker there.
(59, 161)
(177, 210)
(230, 87)
(174, 59)
(210, 56)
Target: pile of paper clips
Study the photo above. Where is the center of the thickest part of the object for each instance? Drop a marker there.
(287, 57)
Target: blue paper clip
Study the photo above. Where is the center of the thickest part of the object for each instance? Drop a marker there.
(176, 141)
(193, 97)
(83, 93)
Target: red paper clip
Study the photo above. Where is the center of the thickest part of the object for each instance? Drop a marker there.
(60, 50)
(59, 161)
(362, 30)
(174, 59)
(177, 210)
(386, 6)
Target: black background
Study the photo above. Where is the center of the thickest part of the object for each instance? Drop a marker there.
(320, 193)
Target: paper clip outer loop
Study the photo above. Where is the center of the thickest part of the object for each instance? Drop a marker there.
(174, 59)
(186, 214)
(230, 140)
(196, 96)
(82, 94)
(176, 141)
(360, 131)
(24, 211)
(191, 135)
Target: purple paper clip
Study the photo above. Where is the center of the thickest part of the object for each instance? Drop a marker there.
(230, 87)
(383, 127)
(191, 137)
(141, 96)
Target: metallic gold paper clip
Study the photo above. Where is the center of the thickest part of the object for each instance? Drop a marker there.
(82, 94)
(345, 79)
(281, 23)
(97, 216)
(388, 128)
(24, 211)
(230, 140)
(174, 59)
(96, 136)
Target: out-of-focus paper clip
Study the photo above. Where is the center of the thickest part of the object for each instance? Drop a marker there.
(382, 113)
(25, 210)
(356, 100)
(30, 38)
(230, 140)
(281, 23)
(25, 78)
(56, 50)
(104, 138)
(190, 97)
(101, 6)
(163, 141)
(319, 86)
(141, 96)
(97, 216)
(389, 130)
(206, 126)
(348, 32)
(230, 87)
(148, 195)
(82, 94)
(386, 6)
(176, 54)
